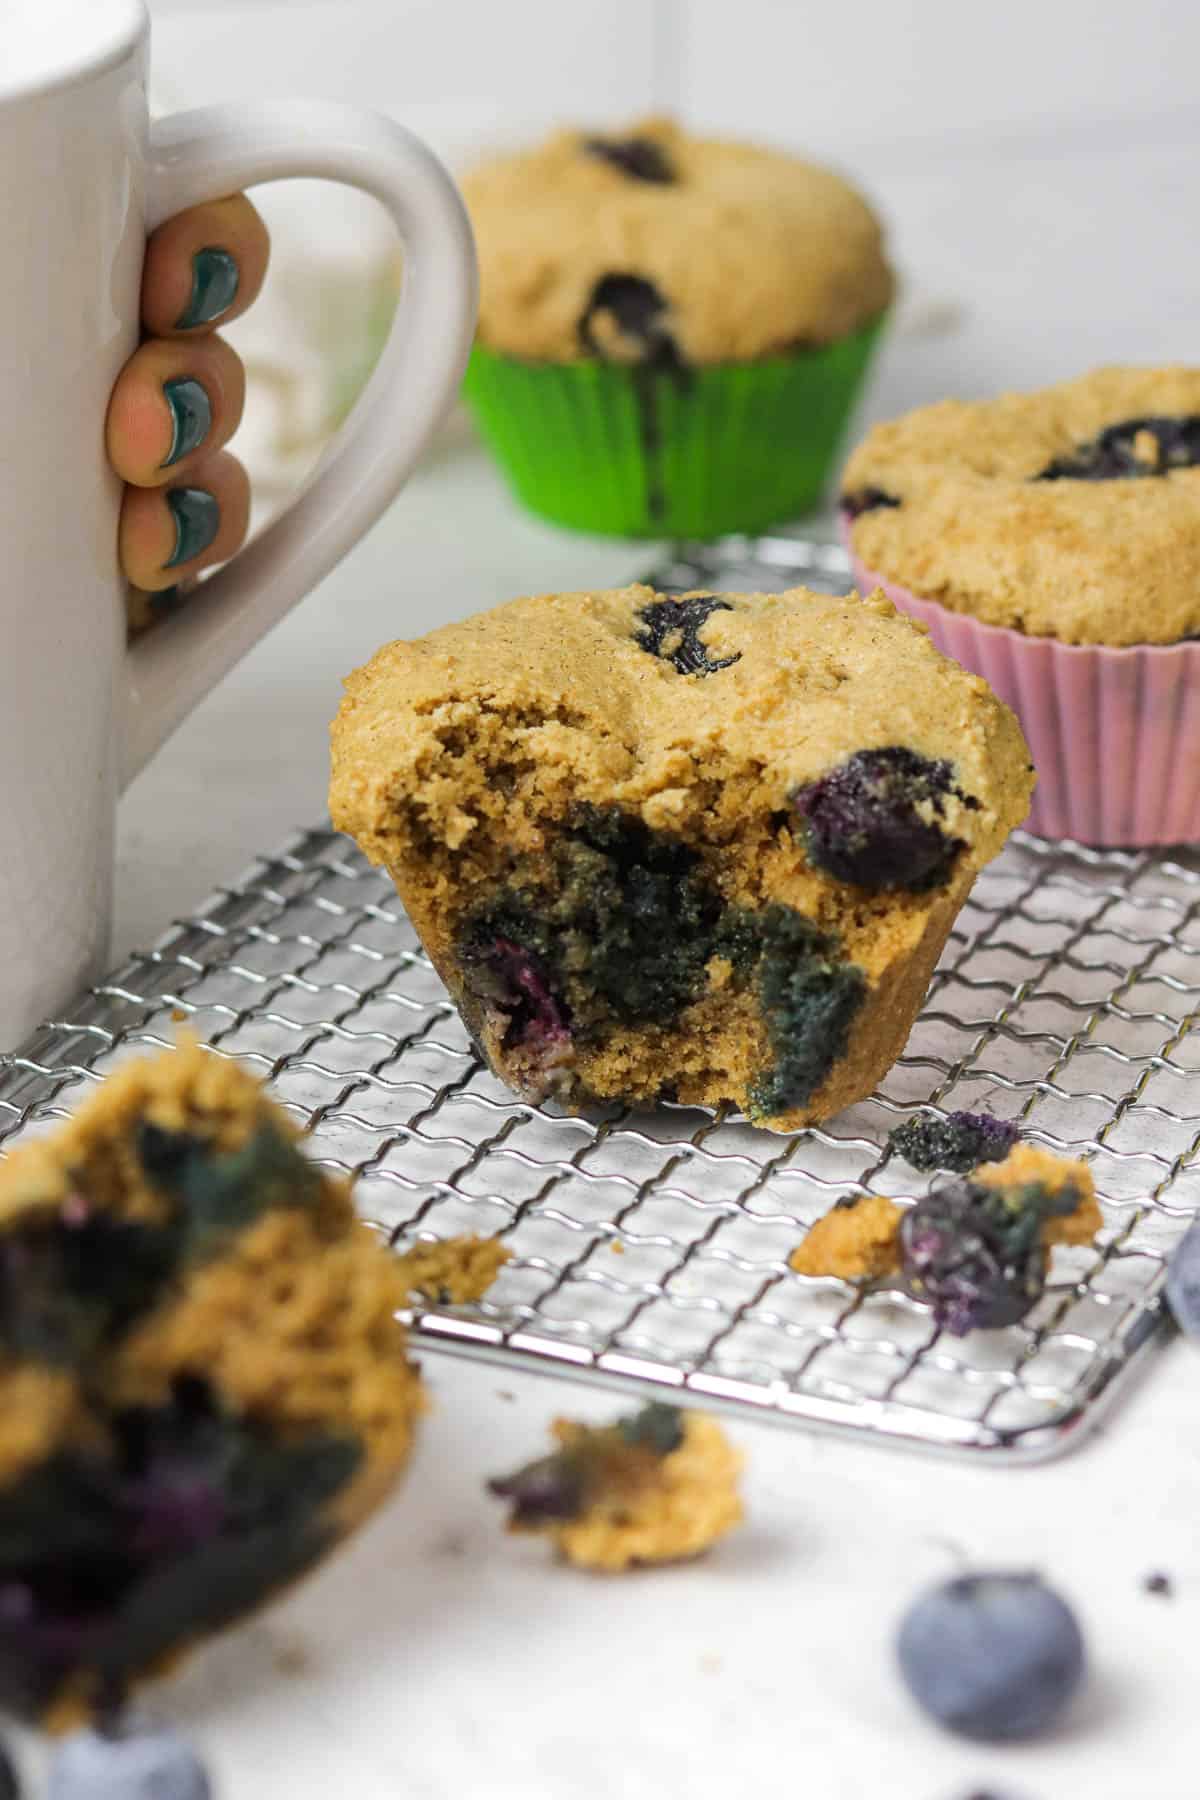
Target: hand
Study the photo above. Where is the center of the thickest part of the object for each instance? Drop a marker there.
(179, 398)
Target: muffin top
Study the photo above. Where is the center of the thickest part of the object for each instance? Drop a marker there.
(621, 246)
(693, 711)
(1070, 513)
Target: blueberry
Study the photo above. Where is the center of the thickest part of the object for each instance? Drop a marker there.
(514, 979)
(1183, 1282)
(638, 157)
(976, 1255)
(1131, 450)
(637, 312)
(553, 1487)
(658, 1427)
(959, 1141)
(992, 1656)
(867, 822)
(151, 1764)
(857, 501)
(677, 623)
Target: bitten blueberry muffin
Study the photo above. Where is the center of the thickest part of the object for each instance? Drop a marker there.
(658, 1486)
(672, 328)
(705, 848)
(1051, 543)
(204, 1386)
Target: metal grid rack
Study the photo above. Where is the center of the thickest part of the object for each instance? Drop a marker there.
(650, 1250)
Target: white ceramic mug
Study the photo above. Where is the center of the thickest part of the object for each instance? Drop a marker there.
(83, 178)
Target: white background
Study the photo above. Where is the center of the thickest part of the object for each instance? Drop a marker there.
(1037, 166)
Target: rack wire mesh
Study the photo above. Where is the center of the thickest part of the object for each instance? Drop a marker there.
(650, 1249)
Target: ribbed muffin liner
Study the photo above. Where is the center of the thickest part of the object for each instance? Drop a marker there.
(1114, 732)
(656, 453)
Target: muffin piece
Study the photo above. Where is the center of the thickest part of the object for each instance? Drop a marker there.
(857, 1240)
(658, 1486)
(204, 1386)
(625, 381)
(452, 1271)
(978, 1250)
(705, 848)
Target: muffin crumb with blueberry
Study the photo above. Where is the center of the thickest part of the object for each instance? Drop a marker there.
(659, 1485)
(704, 848)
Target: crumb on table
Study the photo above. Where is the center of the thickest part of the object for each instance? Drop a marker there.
(658, 1486)
(856, 1240)
(453, 1271)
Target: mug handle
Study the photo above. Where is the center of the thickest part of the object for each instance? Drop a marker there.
(216, 151)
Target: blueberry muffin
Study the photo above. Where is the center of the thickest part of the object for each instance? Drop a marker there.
(705, 848)
(204, 1384)
(658, 1486)
(976, 1249)
(1051, 542)
(672, 328)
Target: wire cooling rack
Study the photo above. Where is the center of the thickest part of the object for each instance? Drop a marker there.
(650, 1249)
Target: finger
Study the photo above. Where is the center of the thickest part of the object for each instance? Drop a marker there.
(204, 266)
(168, 534)
(174, 404)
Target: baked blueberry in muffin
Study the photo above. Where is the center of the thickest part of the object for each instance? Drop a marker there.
(705, 847)
(204, 1386)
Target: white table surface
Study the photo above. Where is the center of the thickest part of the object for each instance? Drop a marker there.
(438, 1658)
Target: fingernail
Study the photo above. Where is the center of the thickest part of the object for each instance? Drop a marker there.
(197, 517)
(191, 416)
(214, 288)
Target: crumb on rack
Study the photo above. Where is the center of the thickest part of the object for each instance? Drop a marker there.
(657, 1486)
(453, 1271)
(856, 1240)
(959, 1141)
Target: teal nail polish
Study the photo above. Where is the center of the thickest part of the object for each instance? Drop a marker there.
(214, 288)
(191, 416)
(197, 517)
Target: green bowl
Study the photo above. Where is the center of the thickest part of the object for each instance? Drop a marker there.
(640, 452)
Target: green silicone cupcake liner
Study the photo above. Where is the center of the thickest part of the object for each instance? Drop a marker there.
(640, 452)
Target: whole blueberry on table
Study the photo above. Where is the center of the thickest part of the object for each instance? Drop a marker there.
(992, 1656)
(1183, 1282)
(128, 1764)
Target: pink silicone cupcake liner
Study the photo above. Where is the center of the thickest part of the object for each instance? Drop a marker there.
(1115, 733)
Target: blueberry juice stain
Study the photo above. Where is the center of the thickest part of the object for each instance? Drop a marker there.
(637, 313)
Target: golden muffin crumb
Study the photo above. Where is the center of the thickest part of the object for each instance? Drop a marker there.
(454, 1271)
(855, 1240)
